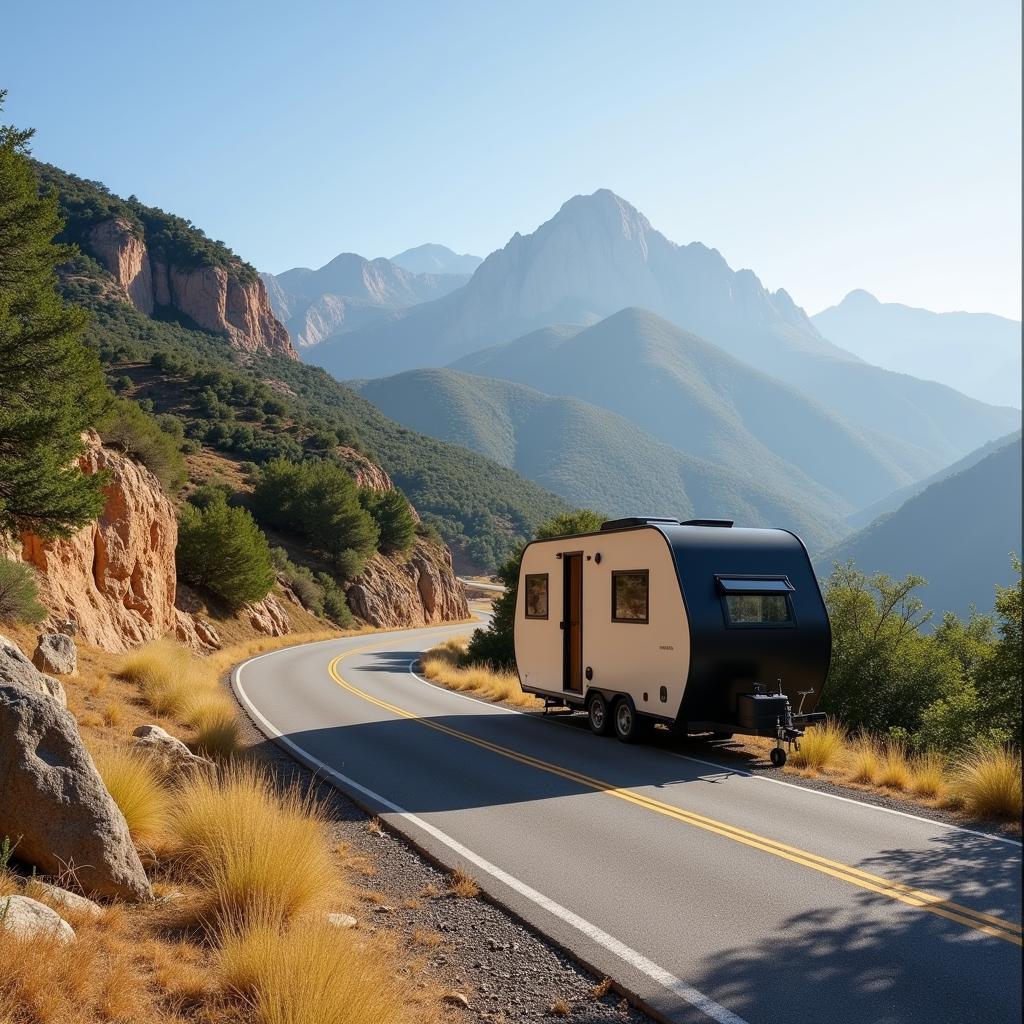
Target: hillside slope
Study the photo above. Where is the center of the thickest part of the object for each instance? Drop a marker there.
(976, 353)
(957, 534)
(702, 401)
(590, 456)
(255, 404)
(598, 255)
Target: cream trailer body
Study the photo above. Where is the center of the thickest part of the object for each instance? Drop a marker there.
(699, 625)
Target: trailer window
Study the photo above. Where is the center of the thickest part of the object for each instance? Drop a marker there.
(757, 609)
(537, 595)
(630, 595)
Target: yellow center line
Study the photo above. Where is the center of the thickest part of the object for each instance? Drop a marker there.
(976, 919)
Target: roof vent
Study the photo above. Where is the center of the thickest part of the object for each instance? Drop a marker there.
(724, 523)
(622, 524)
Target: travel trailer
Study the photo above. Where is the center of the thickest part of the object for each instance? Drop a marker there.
(701, 625)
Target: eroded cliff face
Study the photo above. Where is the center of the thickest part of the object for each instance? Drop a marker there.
(210, 296)
(417, 590)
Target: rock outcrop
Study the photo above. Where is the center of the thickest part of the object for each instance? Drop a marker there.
(268, 616)
(366, 472)
(53, 798)
(416, 591)
(17, 670)
(115, 578)
(228, 300)
(174, 757)
(26, 918)
(55, 653)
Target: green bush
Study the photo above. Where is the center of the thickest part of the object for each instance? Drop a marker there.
(319, 502)
(124, 425)
(393, 515)
(223, 551)
(19, 593)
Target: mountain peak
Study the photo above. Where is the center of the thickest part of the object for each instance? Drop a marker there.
(433, 258)
(860, 297)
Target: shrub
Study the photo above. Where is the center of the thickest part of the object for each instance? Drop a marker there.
(135, 784)
(820, 747)
(165, 673)
(988, 782)
(19, 593)
(223, 551)
(124, 425)
(263, 855)
(337, 610)
(393, 515)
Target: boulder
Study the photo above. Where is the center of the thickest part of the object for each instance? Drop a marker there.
(17, 670)
(54, 799)
(342, 921)
(70, 902)
(27, 918)
(173, 755)
(55, 653)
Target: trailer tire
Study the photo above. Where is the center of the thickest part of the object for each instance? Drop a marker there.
(627, 722)
(778, 756)
(598, 714)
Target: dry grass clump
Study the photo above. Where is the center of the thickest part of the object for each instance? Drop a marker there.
(113, 714)
(463, 884)
(310, 974)
(166, 674)
(987, 782)
(560, 1008)
(136, 785)
(602, 988)
(864, 761)
(215, 720)
(894, 769)
(256, 850)
(444, 665)
(928, 774)
(820, 747)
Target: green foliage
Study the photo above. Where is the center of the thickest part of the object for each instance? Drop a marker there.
(144, 438)
(19, 593)
(998, 679)
(319, 593)
(495, 645)
(394, 518)
(319, 502)
(223, 551)
(52, 385)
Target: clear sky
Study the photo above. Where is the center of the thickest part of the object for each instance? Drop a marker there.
(827, 145)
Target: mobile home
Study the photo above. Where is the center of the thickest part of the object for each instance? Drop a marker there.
(700, 625)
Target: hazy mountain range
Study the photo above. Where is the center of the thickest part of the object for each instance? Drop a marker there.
(634, 375)
(976, 353)
(958, 534)
(436, 259)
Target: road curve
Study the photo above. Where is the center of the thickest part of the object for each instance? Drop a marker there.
(708, 893)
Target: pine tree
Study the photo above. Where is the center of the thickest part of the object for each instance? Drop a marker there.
(393, 515)
(51, 386)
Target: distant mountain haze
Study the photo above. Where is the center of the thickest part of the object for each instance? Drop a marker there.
(595, 458)
(598, 255)
(348, 293)
(958, 534)
(706, 403)
(976, 353)
(436, 259)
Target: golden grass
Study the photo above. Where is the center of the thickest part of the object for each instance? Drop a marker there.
(215, 720)
(311, 974)
(560, 1008)
(821, 747)
(928, 775)
(987, 782)
(113, 715)
(894, 769)
(136, 785)
(426, 939)
(257, 850)
(602, 988)
(166, 674)
(463, 885)
(863, 761)
(442, 665)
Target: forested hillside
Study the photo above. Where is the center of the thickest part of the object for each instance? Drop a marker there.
(256, 405)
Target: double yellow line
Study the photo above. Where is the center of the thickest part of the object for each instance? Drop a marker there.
(976, 919)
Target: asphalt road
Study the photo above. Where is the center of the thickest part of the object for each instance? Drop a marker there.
(708, 893)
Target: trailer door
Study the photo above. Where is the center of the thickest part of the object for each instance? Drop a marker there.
(572, 621)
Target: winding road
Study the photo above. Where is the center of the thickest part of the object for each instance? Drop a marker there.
(706, 892)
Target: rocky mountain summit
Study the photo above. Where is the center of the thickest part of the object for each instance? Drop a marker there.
(436, 259)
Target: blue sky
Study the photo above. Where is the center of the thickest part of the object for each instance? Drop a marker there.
(826, 145)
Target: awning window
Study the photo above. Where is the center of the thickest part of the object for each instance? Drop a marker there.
(754, 584)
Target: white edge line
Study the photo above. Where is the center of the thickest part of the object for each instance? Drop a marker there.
(696, 999)
(752, 775)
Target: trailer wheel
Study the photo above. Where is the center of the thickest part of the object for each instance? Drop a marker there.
(627, 722)
(598, 714)
(778, 756)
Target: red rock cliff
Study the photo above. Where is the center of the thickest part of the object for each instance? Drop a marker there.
(211, 296)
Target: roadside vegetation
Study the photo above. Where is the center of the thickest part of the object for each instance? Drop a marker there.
(450, 666)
